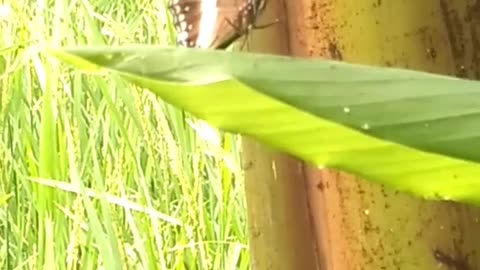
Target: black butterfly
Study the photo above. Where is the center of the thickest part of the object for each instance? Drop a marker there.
(214, 23)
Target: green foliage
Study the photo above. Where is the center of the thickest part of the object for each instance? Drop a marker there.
(97, 174)
(413, 131)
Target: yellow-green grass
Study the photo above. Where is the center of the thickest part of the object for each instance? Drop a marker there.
(98, 174)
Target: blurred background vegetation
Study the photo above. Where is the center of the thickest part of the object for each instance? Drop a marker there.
(98, 174)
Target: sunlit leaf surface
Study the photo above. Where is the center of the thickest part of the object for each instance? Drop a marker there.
(413, 131)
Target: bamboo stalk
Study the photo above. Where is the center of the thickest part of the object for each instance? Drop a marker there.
(280, 229)
(360, 225)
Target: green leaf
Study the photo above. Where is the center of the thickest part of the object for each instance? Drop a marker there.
(410, 130)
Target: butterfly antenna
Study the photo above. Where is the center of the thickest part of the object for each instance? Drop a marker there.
(256, 27)
(246, 43)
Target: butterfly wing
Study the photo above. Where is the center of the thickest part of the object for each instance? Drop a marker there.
(233, 24)
(212, 23)
(227, 27)
(186, 18)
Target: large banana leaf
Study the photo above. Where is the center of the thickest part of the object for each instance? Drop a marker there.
(413, 131)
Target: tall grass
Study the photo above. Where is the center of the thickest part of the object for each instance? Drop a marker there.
(95, 173)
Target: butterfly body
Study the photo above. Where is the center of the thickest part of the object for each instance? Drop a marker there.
(213, 23)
